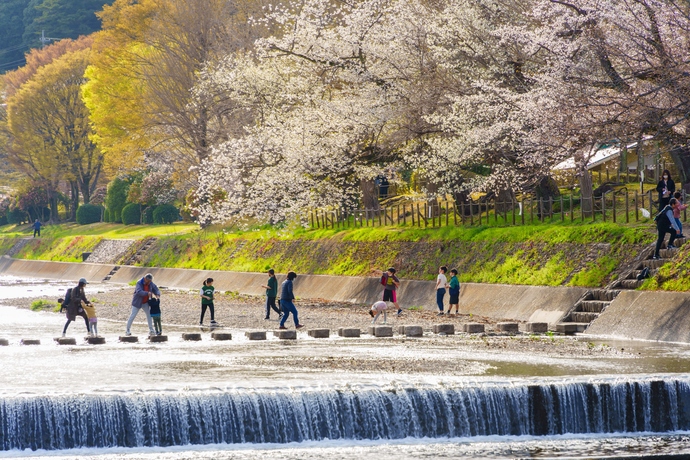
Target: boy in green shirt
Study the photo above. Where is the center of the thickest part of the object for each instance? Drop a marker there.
(454, 291)
(207, 301)
(271, 294)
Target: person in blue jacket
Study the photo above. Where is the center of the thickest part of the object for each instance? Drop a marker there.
(144, 290)
(286, 298)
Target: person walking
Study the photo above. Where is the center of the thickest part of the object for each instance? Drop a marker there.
(441, 283)
(207, 291)
(93, 319)
(666, 187)
(271, 293)
(37, 228)
(665, 223)
(391, 283)
(144, 290)
(286, 298)
(73, 303)
(676, 213)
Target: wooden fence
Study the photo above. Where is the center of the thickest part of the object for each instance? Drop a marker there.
(621, 206)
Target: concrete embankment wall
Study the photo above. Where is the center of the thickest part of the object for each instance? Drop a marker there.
(522, 303)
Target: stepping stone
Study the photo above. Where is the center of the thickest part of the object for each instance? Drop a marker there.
(566, 328)
(256, 335)
(30, 342)
(4, 342)
(66, 340)
(349, 332)
(401, 330)
(95, 340)
(158, 338)
(128, 338)
(414, 331)
(448, 329)
(473, 328)
(381, 331)
(221, 336)
(508, 327)
(320, 333)
(285, 335)
(191, 336)
(537, 327)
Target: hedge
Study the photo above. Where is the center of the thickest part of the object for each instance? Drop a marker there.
(165, 214)
(131, 214)
(89, 214)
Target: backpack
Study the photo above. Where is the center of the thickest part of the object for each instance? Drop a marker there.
(644, 273)
(661, 218)
(384, 279)
(67, 299)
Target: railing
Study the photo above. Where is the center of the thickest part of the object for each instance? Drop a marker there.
(617, 206)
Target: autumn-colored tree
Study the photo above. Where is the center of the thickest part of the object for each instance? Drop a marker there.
(50, 129)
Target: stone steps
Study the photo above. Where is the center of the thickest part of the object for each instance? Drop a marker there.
(630, 284)
(583, 317)
(571, 327)
(593, 306)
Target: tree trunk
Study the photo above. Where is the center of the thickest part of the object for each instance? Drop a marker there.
(433, 209)
(74, 200)
(369, 196)
(586, 193)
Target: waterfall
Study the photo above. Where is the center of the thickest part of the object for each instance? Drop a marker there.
(261, 416)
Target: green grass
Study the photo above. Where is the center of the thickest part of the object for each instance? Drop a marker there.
(40, 305)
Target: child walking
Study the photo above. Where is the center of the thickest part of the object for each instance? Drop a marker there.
(155, 308)
(376, 310)
(271, 293)
(93, 320)
(391, 283)
(454, 291)
(207, 301)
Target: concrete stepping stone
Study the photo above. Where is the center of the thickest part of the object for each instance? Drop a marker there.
(30, 342)
(255, 335)
(447, 329)
(4, 342)
(413, 331)
(539, 328)
(508, 327)
(381, 331)
(158, 338)
(349, 332)
(221, 336)
(128, 339)
(473, 328)
(319, 333)
(94, 340)
(567, 328)
(65, 340)
(191, 336)
(285, 335)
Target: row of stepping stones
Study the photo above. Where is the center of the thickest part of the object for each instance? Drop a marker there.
(375, 331)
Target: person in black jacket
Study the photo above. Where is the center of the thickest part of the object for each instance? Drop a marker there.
(665, 223)
(286, 298)
(665, 187)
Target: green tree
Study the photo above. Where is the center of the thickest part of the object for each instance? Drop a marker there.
(116, 198)
(12, 47)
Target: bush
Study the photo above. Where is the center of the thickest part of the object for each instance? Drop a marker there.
(16, 216)
(148, 215)
(165, 214)
(116, 198)
(131, 214)
(106, 216)
(89, 214)
(3, 220)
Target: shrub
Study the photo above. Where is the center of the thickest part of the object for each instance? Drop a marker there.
(116, 198)
(165, 214)
(131, 214)
(16, 216)
(148, 215)
(89, 214)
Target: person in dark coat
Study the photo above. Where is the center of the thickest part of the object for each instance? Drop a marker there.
(665, 223)
(665, 187)
(74, 307)
(286, 298)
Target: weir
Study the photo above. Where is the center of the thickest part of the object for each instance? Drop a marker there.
(262, 416)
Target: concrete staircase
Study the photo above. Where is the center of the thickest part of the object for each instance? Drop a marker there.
(112, 272)
(138, 255)
(594, 302)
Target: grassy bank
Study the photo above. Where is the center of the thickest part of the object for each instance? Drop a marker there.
(545, 254)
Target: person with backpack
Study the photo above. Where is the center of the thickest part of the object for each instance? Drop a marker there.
(665, 223)
(390, 284)
(73, 304)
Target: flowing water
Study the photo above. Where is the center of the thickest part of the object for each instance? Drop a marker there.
(184, 400)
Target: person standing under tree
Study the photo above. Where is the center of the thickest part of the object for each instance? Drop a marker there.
(37, 228)
(665, 187)
(207, 302)
(271, 293)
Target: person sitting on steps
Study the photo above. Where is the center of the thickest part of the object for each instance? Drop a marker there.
(665, 223)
